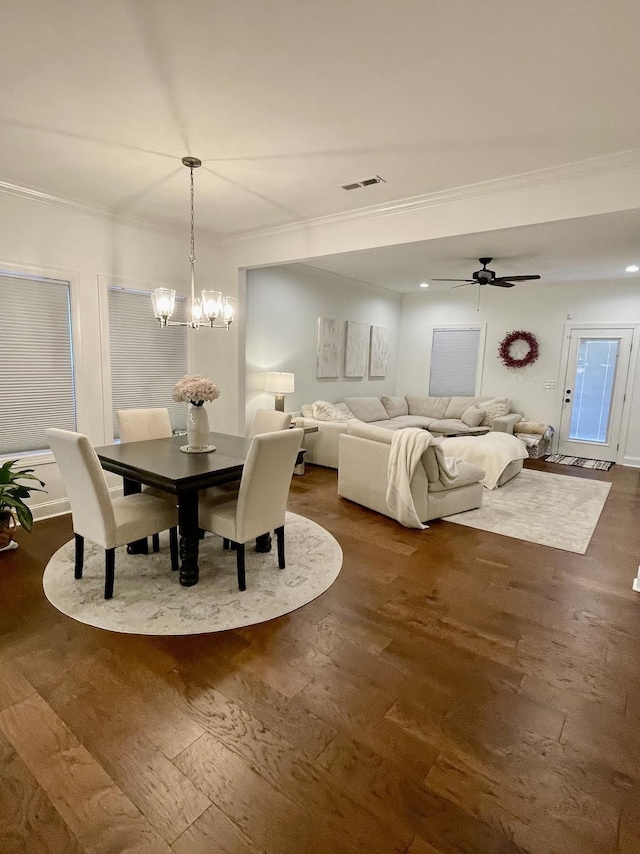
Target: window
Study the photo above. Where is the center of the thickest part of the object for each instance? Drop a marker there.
(146, 361)
(36, 362)
(455, 356)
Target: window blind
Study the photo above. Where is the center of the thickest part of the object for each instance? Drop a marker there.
(454, 362)
(36, 362)
(146, 361)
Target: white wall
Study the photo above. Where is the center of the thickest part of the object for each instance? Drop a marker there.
(283, 307)
(66, 243)
(541, 310)
(592, 187)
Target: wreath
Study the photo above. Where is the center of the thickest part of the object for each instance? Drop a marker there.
(504, 350)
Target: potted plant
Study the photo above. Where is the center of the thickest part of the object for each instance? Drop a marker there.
(15, 486)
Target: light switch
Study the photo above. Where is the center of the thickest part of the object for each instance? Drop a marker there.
(550, 385)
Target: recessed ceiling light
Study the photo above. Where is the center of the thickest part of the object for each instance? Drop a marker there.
(632, 268)
(424, 284)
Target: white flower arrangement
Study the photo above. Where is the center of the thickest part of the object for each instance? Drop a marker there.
(195, 389)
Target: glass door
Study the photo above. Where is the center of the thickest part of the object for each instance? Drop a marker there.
(594, 392)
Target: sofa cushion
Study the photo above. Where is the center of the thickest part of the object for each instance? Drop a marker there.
(494, 407)
(448, 425)
(369, 431)
(344, 408)
(473, 417)
(467, 473)
(457, 405)
(395, 406)
(367, 408)
(410, 421)
(433, 407)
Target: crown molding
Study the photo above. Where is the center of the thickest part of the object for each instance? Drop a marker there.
(578, 170)
(106, 214)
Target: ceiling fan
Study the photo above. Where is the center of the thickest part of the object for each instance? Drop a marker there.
(488, 277)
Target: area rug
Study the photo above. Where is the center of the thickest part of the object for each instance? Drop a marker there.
(149, 600)
(582, 462)
(554, 510)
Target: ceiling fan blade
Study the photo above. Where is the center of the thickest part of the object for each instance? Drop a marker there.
(497, 284)
(463, 285)
(515, 278)
(470, 281)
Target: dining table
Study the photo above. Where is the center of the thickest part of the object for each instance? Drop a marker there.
(160, 463)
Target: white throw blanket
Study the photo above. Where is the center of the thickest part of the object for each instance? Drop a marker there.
(492, 452)
(407, 448)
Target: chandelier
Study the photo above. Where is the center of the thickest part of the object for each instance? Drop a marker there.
(211, 309)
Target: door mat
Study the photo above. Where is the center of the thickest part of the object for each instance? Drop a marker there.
(582, 462)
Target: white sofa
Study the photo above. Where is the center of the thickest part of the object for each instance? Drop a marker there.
(439, 415)
(363, 476)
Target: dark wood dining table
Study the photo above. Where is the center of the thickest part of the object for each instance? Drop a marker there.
(161, 463)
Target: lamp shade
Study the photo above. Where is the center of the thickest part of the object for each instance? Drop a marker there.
(279, 382)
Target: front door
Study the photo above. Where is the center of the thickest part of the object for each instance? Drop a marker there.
(594, 392)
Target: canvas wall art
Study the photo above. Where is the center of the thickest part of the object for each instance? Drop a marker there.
(330, 336)
(379, 351)
(357, 349)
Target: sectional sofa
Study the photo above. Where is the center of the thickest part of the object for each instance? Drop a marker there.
(439, 415)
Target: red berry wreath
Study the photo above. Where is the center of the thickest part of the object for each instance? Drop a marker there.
(504, 350)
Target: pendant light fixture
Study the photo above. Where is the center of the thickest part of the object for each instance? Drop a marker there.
(211, 309)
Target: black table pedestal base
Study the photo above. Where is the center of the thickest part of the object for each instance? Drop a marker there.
(189, 571)
(263, 543)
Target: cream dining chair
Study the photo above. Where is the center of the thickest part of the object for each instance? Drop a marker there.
(261, 501)
(269, 420)
(138, 425)
(96, 516)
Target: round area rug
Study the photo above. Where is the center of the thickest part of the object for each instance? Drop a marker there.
(148, 598)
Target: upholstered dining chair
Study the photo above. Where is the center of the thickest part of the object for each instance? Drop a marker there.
(96, 516)
(269, 420)
(261, 502)
(137, 425)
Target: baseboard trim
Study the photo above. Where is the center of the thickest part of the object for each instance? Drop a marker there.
(634, 462)
(50, 509)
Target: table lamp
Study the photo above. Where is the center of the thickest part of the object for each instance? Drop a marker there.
(280, 383)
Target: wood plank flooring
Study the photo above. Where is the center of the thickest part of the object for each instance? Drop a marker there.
(454, 691)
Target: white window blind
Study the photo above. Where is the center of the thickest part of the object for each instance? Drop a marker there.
(36, 362)
(146, 361)
(454, 361)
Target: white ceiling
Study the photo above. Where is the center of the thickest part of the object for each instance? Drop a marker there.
(596, 248)
(284, 101)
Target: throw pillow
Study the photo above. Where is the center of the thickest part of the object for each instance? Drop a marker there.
(307, 410)
(536, 428)
(367, 408)
(395, 406)
(472, 416)
(325, 411)
(494, 408)
(344, 408)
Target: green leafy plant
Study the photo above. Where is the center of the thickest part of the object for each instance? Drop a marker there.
(15, 486)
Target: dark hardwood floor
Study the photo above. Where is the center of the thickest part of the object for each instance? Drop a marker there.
(454, 691)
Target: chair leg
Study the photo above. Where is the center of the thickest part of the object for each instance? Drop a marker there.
(225, 543)
(242, 582)
(279, 532)
(79, 556)
(173, 548)
(109, 572)
(156, 542)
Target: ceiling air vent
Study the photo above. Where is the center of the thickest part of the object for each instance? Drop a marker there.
(366, 182)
